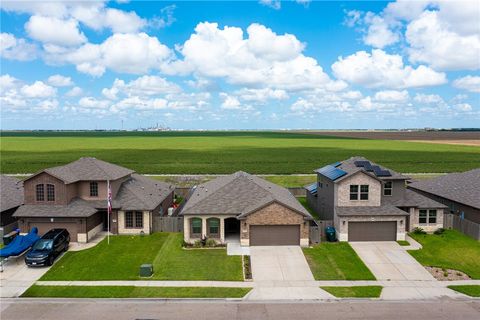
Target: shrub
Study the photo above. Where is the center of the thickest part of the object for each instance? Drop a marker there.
(439, 231)
(419, 230)
(210, 243)
(197, 244)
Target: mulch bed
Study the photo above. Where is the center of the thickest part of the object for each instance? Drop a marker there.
(443, 274)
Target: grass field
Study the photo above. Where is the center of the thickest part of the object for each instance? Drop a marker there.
(355, 292)
(450, 250)
(133, 292)
(224, 152)
(121, 260)
(469, 290)
(336, 261)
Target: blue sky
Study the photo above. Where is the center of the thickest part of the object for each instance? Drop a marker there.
(240, 64)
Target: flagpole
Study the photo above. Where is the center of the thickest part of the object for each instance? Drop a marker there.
(108, 211)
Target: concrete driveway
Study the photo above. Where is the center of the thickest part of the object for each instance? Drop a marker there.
(389, 261)
(16, 278)
(282, 273)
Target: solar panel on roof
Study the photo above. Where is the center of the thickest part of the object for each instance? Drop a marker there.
(365, 164)
(331, 172)
(379, 172)
(312, 188)
(336, 164)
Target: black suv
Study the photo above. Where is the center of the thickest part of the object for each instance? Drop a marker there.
(48, 247)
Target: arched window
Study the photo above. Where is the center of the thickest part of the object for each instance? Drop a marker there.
(93, 189)
(213, 228)
(40, 192)
(196, 227)
(50, 192)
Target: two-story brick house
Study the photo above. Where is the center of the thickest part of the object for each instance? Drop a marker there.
(74, 197)
(368, 202)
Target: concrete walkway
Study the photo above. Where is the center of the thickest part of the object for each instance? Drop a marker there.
(389, 261)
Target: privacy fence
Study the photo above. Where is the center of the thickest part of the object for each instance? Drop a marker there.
(167, 224)
(317, 232)
(472, 229)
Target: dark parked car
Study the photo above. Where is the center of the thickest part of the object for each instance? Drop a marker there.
(50, 246)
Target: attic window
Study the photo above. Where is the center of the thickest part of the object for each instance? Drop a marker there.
(93, 189)
(40, 192)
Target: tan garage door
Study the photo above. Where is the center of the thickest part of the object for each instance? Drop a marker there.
(276, 235)
(372, 231)
(44, 227)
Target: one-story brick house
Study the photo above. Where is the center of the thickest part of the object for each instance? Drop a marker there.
(246, 207)
(11, 197)
(74, 197)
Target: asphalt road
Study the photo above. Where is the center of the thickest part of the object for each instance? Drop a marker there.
(115, 309)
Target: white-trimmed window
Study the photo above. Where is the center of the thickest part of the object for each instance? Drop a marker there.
(387, 188)
(134, 220)
(427, 216)
(364, 192)
(353, 192)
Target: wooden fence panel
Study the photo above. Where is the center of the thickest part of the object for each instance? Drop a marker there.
(167, 224)
(467, 227)
(315, 234)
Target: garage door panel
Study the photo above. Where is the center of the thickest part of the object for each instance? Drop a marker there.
(372, 231)
(44, 227)
(274, 235)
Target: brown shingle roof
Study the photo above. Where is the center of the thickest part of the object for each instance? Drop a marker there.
(461, 187)
(77, 208)
(88, 169)
(11, 192)
(238, 194)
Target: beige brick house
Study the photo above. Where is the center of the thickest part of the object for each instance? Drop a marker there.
(368, 202)
(74, 197)
(245, 208)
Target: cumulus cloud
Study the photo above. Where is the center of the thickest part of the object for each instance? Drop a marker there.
(128, 53)
(51, 30)
(13, 48)
(379, 33)
(230, 102)
(58, 80)
(380, 69)
(38, 90)
(145, 85)
(74, 92)
(392, 96)
(263, 58)
(469, 83)
(274, 4)
(262, 95)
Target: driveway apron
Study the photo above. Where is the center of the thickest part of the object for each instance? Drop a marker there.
(389, 261)
(282, 272)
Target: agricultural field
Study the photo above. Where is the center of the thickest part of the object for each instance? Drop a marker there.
(225, 152)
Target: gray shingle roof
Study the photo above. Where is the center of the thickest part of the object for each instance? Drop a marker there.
(88, 169)
(413, 199)
(351, 169)
(238, 194)
(461, 187)
(384, 210)
(11, 192)
(76, 208)
(142, 193)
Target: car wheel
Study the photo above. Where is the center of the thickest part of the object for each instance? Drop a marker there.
(50, 260)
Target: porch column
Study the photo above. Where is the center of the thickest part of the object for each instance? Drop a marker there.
(204, 227)
(222, 230)
(186, 229)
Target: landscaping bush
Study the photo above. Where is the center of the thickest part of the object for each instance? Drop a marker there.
(197, 244)
(210, 243)
(419, 230)
(247, 267)
(439, 231)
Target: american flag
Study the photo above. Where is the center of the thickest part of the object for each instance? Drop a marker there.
(109, 199)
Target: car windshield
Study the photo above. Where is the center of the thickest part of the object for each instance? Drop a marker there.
(43, 244)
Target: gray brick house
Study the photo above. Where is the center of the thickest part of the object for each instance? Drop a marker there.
(246, 208)
(368, 202)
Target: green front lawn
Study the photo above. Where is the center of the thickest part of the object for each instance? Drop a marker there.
(133, 292)
(336, 261)
(472, 290)
(355, 292)
(122, 258)
(450, 250)
(403, 243)
(303, 201)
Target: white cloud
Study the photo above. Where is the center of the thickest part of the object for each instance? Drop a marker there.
(380, 69)
(469, 83)
(51, 30)
(464, 107)
(263, 59)
(48, 105)
(8, 82)
(166, 19)
(274, 4)
(16, 48)
(428, 98)
(74, 92)
(262, 95)
(123, 22)
(230, 102)
(93, 103)
(145, 85)
(58, 80)
(379, 33)
(128, 53)
(38, 90)
(433, 42)
(392, 96)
